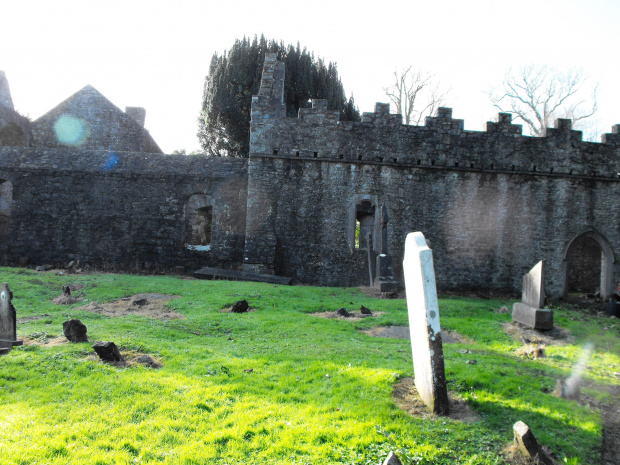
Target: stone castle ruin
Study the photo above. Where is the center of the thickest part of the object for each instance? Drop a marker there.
(87, 182)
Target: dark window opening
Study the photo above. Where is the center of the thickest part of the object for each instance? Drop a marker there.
(364, 224)
(199, 223)
(275, 151)
(316, 154)
(6, 198)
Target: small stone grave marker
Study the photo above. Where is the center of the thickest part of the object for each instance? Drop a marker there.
(107, 351)
(8, 319)
(426, 345)
(529, 311)
(75, 331)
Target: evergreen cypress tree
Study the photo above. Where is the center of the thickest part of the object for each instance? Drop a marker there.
(234, 77)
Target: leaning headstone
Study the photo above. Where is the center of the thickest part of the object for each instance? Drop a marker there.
(107, 351)
(426, 345)
(392, 459)
(529, 311)
(8, 319)
(528, 446)
(75, 331)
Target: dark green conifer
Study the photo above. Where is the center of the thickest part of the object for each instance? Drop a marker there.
(234, 77)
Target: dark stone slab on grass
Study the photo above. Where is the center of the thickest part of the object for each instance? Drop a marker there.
(107, 351)
(241, 306)
(537, 318)
(148, 361)
(75, 331)
(4, 350)
(231, 275)
(343, 312)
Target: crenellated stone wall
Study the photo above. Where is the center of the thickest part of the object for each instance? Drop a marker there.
(492, 203)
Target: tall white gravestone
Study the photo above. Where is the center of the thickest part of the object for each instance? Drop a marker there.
(426, 345)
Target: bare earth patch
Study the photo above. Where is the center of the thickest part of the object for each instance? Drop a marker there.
(355, 316)
(373, 292)
(44, 341)
(229, 310)
(131, 359)
(407, 398)
(149, 305)
(555, 336)
(402, 332)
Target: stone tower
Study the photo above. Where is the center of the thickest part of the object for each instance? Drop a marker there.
(5, 92)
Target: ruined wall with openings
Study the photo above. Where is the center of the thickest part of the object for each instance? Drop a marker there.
(492, 203)
(118, 210)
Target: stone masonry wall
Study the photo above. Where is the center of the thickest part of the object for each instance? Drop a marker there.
(492, 203)
(119, 211)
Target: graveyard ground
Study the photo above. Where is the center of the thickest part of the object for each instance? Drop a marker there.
(278, 385)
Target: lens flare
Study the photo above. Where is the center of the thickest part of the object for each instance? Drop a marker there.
(71, 130)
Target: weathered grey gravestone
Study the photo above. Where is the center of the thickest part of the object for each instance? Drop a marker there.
(426, 345)
(529, 311)
(384, 280)
(8, 319)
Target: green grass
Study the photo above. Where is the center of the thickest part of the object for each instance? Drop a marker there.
(319, 391)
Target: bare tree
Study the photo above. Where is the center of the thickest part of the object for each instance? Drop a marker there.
(415, 95)
(539, 94)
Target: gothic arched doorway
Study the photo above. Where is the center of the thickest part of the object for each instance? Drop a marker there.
(589, 263)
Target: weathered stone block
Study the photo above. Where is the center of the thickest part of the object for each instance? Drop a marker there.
(107, 351)
(75, 331)
(537, 318)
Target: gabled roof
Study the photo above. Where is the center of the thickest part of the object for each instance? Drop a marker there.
(89, 120)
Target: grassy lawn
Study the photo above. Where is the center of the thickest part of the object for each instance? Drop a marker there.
(278, 385)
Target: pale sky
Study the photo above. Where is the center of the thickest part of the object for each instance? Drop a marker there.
(155, 54)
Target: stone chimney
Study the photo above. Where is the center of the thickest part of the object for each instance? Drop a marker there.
(5, 92)
(138, 114)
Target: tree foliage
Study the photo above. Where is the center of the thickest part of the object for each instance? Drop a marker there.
(234, 77)
(415, 95)
(538, 95)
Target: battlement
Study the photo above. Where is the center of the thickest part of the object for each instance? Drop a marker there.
(442, 143)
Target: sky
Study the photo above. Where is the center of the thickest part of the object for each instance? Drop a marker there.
(155, 54)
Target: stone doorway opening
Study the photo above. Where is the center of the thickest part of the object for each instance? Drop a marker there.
(589, 265)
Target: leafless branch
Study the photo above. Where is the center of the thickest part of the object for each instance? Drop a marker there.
(539, 94)
(415, 95)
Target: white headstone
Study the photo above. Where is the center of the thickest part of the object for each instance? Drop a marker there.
(426, 345)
